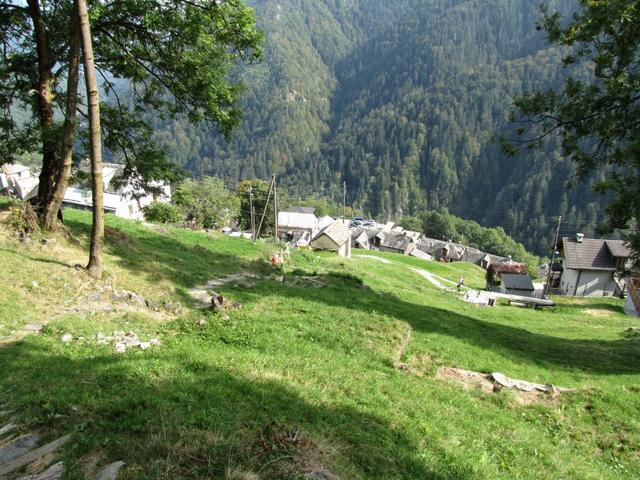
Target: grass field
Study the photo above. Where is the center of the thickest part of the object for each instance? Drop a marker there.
(305, 379)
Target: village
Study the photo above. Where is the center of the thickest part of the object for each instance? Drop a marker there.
(583, 267)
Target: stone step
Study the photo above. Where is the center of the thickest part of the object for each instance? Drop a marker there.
(32, 456)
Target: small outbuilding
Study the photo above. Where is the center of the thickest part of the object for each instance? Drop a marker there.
(518, 284)
(293, 226)
(335, 237)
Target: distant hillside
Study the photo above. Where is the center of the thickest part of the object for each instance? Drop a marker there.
(400, 100)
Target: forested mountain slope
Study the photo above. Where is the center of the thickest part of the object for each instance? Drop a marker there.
(400, 100)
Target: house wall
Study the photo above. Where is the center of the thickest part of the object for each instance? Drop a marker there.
(568, 281)
(592, 283)
(323, 242)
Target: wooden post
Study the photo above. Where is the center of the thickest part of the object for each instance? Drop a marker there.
(275, 207)
(252, 214)
(344, 200)
(266, 206)
(553, 256)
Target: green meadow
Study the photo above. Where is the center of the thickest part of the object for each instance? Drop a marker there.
(305, 375)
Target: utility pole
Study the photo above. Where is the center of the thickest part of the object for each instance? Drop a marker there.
(275, 208)
(344, 200)
(266, 206)
(553, 257)
(252, 212)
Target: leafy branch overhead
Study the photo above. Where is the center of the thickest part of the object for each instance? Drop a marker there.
(597, 112)
(175, 58)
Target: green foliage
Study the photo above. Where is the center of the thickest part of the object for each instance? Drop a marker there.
(400, 100)
(161, 212)
(257, 191)
(175, 59)
(23, 220)
(596, 114)
(207, 202)
(443, 225)
(309, 376)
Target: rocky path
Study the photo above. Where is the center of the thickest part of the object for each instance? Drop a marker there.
(26, 457)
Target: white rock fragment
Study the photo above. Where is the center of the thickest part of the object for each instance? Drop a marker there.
(144, 345)
(121, 347)
(66, 338)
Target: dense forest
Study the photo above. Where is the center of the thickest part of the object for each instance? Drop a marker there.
(401, 100)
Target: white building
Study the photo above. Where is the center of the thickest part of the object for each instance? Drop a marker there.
(125, 201)
(335, 237)
(589, 265)
(296, 227)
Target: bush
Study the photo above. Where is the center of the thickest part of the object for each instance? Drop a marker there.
(159, 212)
(207, 202)
(23, 220)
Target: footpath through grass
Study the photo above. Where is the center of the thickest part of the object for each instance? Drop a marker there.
(304, 379)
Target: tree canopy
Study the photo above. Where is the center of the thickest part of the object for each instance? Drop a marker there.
(173, 58)
(596, 113)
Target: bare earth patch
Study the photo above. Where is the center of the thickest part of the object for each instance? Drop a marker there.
(597, 312)
(525, 393)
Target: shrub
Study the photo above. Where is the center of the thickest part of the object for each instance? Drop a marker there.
(159, 212)
(23, 220)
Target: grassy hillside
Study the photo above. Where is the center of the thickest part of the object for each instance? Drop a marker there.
(304, 376)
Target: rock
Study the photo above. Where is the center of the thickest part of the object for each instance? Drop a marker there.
(10, 427)
(117, 296)
(33, 328)
(17, 448)
(94, 297)
(502, 380)
(201, 323)
(155, 306)
(66, 338)
(54, 472)
(280, 279)
(137, 299)
(320, 475)
(34, 285)
(155, 342)
(110, 472)
(121, 347)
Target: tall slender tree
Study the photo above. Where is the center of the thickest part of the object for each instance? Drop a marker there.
(95, 141)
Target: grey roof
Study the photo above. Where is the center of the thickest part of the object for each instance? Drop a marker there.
(337, 232)
(299, 209)
(513, 281)
(618, 248)
(394, 240)
(590, 254)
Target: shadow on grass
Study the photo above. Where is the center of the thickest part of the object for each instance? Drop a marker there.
(188, 261)
(589, 355)
(169, 415)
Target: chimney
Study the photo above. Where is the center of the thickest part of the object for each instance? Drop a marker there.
(579, 237)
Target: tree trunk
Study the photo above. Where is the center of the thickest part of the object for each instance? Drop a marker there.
(56, 195)
(97, 232)
(45, 105)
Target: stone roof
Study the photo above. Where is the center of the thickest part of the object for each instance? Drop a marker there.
(396, 241)
(337, 232)
(618, 248)
(589, 254)
(304, 221)
(299, 209)
(514, 281)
